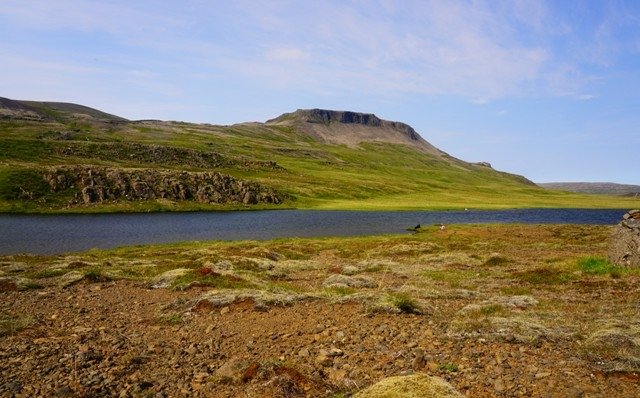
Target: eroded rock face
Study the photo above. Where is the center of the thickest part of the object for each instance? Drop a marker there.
(100, 184)
(624, 247)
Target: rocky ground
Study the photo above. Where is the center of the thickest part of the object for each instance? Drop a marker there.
(497, 311)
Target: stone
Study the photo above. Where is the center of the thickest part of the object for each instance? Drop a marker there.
(70, 278)
(324, 359)
(336, 352)
(165, 279)
(338, 280)
(412, 386)
(303, 353)
(624, 243)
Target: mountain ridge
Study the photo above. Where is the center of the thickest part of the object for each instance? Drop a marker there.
(601, 188)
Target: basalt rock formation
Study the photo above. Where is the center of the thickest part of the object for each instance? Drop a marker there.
(624, 248)
(102, 184)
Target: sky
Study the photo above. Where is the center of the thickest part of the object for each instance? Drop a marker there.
(546, 89)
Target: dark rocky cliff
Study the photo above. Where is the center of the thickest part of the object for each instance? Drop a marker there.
(101, 184)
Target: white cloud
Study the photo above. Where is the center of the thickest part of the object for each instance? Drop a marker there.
(481, 50)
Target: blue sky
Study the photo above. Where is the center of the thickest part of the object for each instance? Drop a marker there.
(550, 90)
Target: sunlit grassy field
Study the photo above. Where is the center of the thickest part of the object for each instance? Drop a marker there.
(372, 176)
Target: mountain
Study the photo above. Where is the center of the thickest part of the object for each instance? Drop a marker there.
(601, 188)
(50, 111)
(352, 128)
(58, 157)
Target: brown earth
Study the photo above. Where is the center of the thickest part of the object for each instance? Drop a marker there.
(523, 322)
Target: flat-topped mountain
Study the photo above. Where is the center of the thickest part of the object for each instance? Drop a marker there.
(352, 128)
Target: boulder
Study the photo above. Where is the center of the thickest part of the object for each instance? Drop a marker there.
(413, 386)
(624, 246)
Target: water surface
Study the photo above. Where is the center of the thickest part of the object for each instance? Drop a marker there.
(55, 234)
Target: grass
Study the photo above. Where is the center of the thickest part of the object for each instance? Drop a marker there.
(373, 176)
(96, 275)
(405, 303)
(13, 324)
(212, 280)
(171, 319)
(448, 367)
(545, 276)
(598, 266)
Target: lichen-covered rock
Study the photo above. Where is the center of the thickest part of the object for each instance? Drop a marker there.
(70, 278)
(165, 279)
(624, 246)
(500, 303)
(260, 299)
(359, 281)
(414, 386)
(615, 347)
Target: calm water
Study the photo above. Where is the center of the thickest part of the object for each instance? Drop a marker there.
(68, 233)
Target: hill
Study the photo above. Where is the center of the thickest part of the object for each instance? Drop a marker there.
(51, 111)
(601, 188)
(65, 157)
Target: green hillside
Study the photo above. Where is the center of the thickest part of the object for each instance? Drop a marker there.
(293, 162)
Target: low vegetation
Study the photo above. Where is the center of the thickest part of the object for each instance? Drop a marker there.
(305, 172)
(341, 313)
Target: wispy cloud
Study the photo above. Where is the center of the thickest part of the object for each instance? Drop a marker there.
(480, 50)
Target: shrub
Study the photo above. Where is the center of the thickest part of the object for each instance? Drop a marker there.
(405, 303)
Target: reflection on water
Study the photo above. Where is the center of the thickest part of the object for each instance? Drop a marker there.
(45, 234)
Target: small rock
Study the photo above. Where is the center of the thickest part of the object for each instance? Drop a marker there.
(70, 278)
(303, 353)
(324, 360)
(64, 391)
(542, 375)
(336, 352)
(14, 387)
(224, 310)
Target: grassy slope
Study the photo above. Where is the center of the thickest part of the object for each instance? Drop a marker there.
(370, 177)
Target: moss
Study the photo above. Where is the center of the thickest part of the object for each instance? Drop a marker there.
(414, 386)
(598, 266)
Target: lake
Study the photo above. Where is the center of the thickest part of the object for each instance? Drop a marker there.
(57, 234)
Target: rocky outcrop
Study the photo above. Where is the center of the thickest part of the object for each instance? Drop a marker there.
(624, 246)
(325, 116)
(101, 184)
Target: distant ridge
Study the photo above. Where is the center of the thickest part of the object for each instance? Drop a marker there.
(602, 188)
(49, 111)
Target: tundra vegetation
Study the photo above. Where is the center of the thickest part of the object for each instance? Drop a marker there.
(67, 158)
(492, 310)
